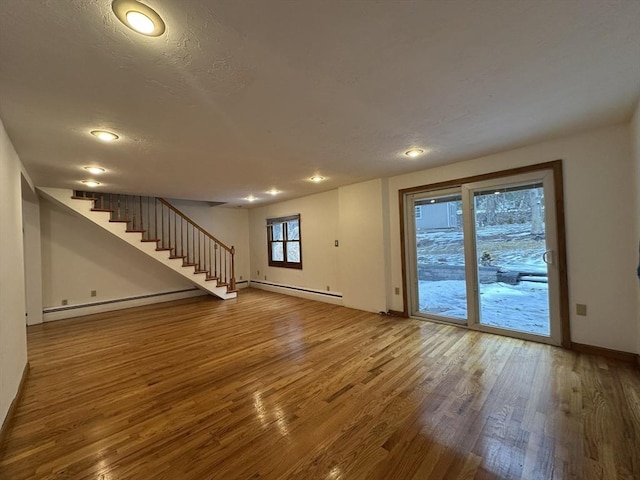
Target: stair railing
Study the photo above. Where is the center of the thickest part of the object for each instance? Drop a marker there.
(160, 222)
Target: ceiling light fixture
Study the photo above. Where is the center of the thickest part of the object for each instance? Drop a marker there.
(414, 152)
(95, 170)
(250, 198)
(104, 135)
(139, 17)
(316, 179)
(273, 191)
(90, 183)
(140, 22)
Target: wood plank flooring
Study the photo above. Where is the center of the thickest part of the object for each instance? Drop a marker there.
(276, 387)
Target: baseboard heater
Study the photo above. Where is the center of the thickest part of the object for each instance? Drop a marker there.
(117, 300)
(299, 289)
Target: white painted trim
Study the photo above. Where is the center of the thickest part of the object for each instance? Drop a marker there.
(334, 298)
(72, 311)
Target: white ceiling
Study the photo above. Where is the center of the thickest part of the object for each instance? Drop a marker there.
(241, 96)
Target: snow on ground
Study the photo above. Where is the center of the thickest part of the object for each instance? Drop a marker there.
(522, 307)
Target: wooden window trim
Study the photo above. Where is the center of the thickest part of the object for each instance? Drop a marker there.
(284, 263)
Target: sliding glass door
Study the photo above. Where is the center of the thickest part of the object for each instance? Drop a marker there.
(483, 255)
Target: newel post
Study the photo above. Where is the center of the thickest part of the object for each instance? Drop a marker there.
(233, 270)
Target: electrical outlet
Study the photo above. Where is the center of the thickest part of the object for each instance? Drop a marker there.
(94, 293)
(258, 272)
(265, 277)
(328, 289)
(397, 290)
(65, 302)
(336, 243)
(581, 309)
(240, 277)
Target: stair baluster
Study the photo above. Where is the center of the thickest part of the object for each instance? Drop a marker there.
(205, 253)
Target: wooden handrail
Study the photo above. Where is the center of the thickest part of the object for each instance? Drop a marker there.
(205, 253)
(167, 204)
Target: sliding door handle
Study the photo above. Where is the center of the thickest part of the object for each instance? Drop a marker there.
(547, 257)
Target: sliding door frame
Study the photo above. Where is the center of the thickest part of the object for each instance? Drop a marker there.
(563, 283)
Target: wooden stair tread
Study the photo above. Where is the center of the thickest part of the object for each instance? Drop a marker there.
(102, 203)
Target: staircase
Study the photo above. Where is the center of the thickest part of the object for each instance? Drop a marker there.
(157, 228)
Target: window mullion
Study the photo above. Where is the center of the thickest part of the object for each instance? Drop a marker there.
(285, 236)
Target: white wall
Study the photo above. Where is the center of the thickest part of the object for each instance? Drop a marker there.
(635, 143)
(13, 341)
(78, 256)
(32, 253)
(319, 230)
(356, 216)
(229, 225)
(600, 204)
(601, 214)
(362, 265)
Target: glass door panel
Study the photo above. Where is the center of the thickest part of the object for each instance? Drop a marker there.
(510, 243)
(440, 274)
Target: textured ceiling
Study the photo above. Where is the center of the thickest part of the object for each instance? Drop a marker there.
(240, 96)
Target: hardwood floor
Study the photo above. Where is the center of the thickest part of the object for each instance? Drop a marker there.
(270, 386)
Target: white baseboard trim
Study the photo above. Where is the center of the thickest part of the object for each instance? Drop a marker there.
(71, 311)
(334, 298)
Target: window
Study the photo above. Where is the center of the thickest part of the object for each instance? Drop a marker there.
(283, 242)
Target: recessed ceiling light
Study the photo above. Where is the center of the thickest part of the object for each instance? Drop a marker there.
(250, 198)
(414, 152)
(140, 22)
(316, 178)
(95, 170)
(139, 17)
(273, 191)
(104, 135)
(90, 183)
